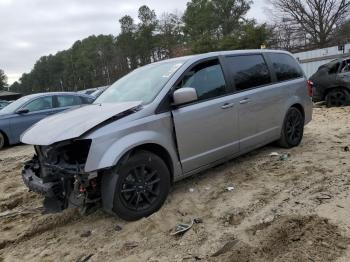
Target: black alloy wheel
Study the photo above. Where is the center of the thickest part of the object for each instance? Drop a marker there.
(293, 128)
(142, 186)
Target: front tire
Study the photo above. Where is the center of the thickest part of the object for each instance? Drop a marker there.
(293, 128)
(142, 186)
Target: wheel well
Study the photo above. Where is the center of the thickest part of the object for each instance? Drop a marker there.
(300, 108)
(159, 151)
(332, 88)
(5, 136)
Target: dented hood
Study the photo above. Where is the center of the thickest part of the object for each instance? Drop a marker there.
(73, 123)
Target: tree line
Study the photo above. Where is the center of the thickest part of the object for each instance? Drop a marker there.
(205, 25)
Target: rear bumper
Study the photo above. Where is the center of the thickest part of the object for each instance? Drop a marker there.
(317, 96)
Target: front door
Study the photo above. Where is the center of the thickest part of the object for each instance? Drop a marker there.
(37, 110)
(206, 130)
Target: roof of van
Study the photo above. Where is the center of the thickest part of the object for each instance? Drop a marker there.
(222, 53)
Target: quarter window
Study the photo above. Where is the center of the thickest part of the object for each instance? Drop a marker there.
(65, 101)
(285, 66)
(42, 103)
(249, 71)
(207, 78)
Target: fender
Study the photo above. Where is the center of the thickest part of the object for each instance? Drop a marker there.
(124, 144)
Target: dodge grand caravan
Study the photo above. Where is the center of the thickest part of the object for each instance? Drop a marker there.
(163, 122)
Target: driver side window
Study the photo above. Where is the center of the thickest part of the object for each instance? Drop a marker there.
(346, 67)
(334, 69)
(207, 78)
(42, 103)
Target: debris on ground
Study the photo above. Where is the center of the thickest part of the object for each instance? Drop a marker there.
(131, 245)
(230, 188)
(118, 228)
(181, 228)
(274, 154)
(85, 258)
(87, 233)
(198, 221)
(284, 157)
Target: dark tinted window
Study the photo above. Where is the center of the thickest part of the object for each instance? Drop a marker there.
(334, 69)
(207, 78)
(285, 66)
(42, 103)
(65, 100)
(87, 100)
(249, 71)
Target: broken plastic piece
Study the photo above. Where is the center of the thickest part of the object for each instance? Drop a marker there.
(182, 228)
(274, 154)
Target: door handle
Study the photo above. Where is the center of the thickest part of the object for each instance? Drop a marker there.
(228, 105)
(244, 101)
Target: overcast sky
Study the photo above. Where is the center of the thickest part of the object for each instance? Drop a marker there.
(33, 28)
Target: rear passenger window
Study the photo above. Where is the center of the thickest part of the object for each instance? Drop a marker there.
(65, 101)
(249, 71)
(285, 66)
(207, 78)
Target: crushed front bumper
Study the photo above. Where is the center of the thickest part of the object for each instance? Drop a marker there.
(63, 186)
(37, 185)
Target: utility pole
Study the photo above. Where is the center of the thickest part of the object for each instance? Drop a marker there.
(100, 53)
(74, 76)
(61, 82)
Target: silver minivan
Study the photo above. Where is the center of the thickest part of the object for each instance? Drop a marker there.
(164, 122)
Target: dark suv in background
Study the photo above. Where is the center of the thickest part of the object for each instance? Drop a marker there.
(332, 83)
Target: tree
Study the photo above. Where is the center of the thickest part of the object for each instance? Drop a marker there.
(221, 25)
(3, 80)
(317, 19)
(126, 43)
(145, 35)
(170, 38)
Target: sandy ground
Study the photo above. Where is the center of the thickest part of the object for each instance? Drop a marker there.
(280, 210)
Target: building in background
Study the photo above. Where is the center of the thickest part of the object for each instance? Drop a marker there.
(9, 96)
(312, 60)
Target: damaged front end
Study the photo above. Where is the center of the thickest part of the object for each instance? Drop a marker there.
(57, 172)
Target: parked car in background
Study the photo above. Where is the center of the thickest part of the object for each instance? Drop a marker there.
(3, 103)
(28, 110)
(163, 122)
(99, 91)
(87, 91)
(332, 83)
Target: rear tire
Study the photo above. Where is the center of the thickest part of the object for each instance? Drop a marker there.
(338, 97)
(293, 128)
(143, 184)
(2, 140)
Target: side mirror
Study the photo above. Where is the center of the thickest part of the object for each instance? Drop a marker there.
(185, 95)
(22, 111)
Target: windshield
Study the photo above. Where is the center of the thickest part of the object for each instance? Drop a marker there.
(11, 108)
(143, 84)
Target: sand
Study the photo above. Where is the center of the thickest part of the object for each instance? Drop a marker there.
(280, 210)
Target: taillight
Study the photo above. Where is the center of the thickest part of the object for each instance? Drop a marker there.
(310, 86)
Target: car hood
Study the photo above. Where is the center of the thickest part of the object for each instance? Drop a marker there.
(73, 123)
